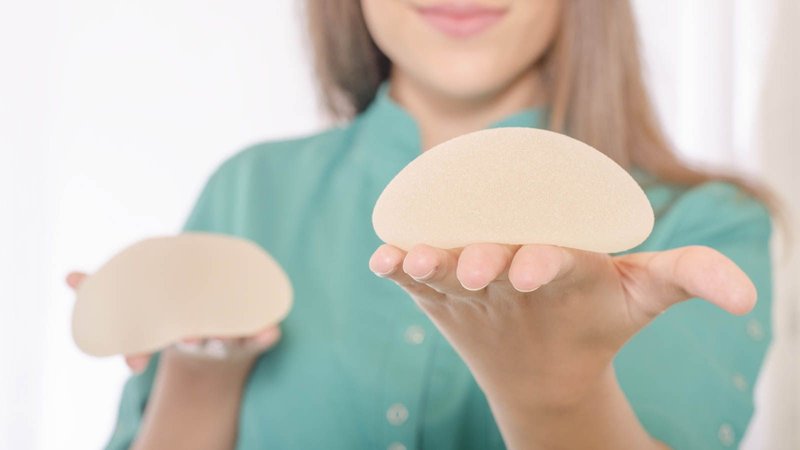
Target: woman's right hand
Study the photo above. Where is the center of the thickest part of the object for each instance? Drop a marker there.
(245, 349)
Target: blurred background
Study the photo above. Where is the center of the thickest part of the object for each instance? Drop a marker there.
(113, 113)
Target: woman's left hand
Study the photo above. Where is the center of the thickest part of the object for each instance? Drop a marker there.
(539, 325)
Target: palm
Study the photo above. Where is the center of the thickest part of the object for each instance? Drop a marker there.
(544, 311)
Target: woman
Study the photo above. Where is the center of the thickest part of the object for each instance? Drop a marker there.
(489, 346)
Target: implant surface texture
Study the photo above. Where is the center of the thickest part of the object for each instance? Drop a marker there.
(161, 290)
(514, 186)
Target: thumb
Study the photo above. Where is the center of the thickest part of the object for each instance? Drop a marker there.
(266, 339)
(137, 363)
(661, 279)
(74, 279)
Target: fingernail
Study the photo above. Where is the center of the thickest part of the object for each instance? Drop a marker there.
(425, 277)
(188, 347)
(382, 274)
(525, 291)
(216, 348)
(473, 289)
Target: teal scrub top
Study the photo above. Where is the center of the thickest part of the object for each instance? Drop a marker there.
(361, 367)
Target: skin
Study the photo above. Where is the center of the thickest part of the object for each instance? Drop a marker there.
(537, 325)
(195, 400)
(454, 86)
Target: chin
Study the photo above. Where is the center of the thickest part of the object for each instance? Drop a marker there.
(467, 81)
(466, 89)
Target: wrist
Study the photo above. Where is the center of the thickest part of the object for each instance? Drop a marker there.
(555, 394)
(199, 369)
(595, 414)
(195, 402)
(548, 415)
(188, 383)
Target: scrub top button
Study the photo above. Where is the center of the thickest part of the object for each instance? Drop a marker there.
(397, 414)
(739, 382)
(415, 335)
(755, 330)
(726, 435)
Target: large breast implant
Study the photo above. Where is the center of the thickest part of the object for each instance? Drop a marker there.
(514, 186)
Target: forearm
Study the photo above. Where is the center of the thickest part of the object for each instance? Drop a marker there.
(602, 419)
(193, 404)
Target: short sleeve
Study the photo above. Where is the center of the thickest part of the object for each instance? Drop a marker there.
(690, 374)
(207, 214)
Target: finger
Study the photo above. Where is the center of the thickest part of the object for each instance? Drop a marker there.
(435, 267)
(216, 347)
(265, 339)
(137, 363)
(386, 260)
(481, 264)
(535, 265)
(679, 274)
(192, 345)
(385, 263)
(74, 279)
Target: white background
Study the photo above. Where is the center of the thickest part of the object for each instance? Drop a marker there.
(112, 115)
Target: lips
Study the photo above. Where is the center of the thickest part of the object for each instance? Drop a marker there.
(461, 20)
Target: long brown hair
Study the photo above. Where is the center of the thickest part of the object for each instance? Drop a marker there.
(593, 75)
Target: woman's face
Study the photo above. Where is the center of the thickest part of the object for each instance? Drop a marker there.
(462, 49)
